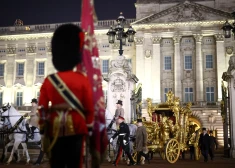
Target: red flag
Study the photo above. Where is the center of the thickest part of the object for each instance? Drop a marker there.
(91, 67)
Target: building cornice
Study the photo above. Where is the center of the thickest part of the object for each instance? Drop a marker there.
(35, 36)
(50, 28)
(179, 24)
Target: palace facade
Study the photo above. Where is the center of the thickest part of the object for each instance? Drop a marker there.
(179, 46)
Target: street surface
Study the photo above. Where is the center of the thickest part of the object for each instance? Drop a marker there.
(219, 162)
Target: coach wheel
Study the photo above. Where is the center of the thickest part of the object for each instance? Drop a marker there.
(172, 150)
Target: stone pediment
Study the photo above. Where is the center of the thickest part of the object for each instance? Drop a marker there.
(19, 81)
(185, 12)
(39, 79)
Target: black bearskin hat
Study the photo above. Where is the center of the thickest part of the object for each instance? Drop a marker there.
(67, 43)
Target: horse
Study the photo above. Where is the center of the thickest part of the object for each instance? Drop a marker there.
(11, 119)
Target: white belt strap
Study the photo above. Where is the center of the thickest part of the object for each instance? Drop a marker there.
(122, 134)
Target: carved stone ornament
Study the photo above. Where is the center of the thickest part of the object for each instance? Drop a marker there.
(186, 12)
(156, 40)
(229, 50)
(139, 40)
(123, 63)
(118, 85)
(48, 48)
(11, 50)
(231, 64)
(198, 37)
(116, 46)
(148, 53)
(31, 49)
(122, 96)
(177, 38)
(30, 37)
(219, 37)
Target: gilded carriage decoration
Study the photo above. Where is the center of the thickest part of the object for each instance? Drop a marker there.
(118, 85)
(171, 131)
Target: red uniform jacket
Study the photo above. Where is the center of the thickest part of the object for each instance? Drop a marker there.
(81, 88)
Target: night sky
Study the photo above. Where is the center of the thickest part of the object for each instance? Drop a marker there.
(59, 11)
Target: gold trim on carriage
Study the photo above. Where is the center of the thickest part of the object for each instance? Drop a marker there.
(170, 132)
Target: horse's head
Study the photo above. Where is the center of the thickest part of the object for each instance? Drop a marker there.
(5, 108)
(3, 122)
(3, 118)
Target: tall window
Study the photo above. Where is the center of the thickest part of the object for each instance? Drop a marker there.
(210, 94)
(188, 94)
(105, 66)
(19, 98)
(2, 70)
(166, 90)
(20, 69)
(40, 68)
(1, 98)
(167, 63)
(188, 62)
(209, 61)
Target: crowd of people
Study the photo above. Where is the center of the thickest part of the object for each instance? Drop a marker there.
(207, 143)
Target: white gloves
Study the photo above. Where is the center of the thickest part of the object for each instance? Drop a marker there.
(124, 142)
(111, 140)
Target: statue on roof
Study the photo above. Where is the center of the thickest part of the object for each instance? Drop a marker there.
(18, 22)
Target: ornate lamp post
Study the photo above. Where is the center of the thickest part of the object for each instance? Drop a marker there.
(227, 27)
(120, 34)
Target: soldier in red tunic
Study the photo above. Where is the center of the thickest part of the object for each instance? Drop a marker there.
(70, 117)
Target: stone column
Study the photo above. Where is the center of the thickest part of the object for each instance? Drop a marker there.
(199, 69)
(140, 66)
(156, 70)
(231, 84)
(221, 62)
(177, 68)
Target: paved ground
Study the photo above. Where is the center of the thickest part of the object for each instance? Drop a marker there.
(219, 162)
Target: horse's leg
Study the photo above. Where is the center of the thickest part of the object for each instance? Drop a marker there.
(26, 152)
(17, 156)
(15, 147)
(6, 147)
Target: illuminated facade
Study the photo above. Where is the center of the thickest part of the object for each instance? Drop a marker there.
(179, 46)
